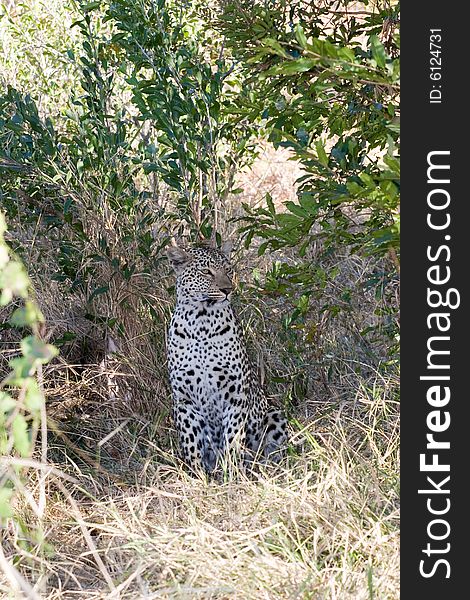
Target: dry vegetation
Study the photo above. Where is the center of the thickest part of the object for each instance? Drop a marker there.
(124, 519)
(106, 510)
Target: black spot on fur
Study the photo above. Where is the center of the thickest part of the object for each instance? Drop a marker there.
(224, 330)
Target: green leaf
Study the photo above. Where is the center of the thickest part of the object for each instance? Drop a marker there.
(291, 67)
(7, 403)
(393, 164)
(4, 256)
(321, 153)
(354, 188)
(98, 291)
(17, 119)
(22, 367)
(300, 35)
(67, 336)
(19, 430)
(274, 45)
(90, 6)
(378, 51)
(289, 221)
(262, 248)
(367, 179)
(3, 225)
(296, 209)
(33, 398)
(309, 202)
(39, 351)
(27, 315)
(389, 188)
(347, 54)
(270, 203)
(5, 502)
(14, 281)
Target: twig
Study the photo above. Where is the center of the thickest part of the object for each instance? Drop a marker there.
(86, 534)
(42, 479)
(7, 461)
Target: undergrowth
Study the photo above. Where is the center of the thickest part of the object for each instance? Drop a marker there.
(123, 124)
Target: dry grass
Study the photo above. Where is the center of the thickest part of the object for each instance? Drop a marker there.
(324, 525)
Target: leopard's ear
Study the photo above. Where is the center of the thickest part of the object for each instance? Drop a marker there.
(178, 258)
(227, 248)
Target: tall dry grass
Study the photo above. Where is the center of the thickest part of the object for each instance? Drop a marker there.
(323, 525)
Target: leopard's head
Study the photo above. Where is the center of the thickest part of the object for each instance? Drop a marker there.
(203, 274)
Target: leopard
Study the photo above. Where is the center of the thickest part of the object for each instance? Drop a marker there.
(219, 407)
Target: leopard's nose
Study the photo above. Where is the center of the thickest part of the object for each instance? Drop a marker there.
(224, 283)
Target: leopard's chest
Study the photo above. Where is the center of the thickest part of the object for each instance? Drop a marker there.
(205, 351)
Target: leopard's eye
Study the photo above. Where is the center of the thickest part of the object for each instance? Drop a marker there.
(205, 271)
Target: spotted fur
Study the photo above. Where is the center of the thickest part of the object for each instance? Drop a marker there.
(218, 404)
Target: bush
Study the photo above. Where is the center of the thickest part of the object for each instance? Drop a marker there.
(327, 88)
(22, 402)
